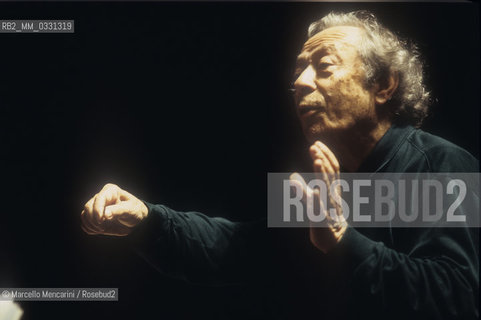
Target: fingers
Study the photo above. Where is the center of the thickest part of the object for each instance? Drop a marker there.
(98, 208)
(298, 180)
(320, 151)
(112, 211)
(108, 195)
(93, 214)
(109, 228)
(329, 155)
(88, 221)
(325, 162)
(327, 166)
(125, 196)
(321, 164)
(310, 198)
(121, 210)
(87, 226)
(115, 228)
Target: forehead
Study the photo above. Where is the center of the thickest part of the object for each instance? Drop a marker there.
(334, 37)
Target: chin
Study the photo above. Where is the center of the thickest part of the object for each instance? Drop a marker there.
(313, 133)
(318, 132)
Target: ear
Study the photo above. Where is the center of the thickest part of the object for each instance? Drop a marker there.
(386, 88)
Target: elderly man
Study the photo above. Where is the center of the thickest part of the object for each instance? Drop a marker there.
(360, 96)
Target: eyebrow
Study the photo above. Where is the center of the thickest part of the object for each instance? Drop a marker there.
(304, 56)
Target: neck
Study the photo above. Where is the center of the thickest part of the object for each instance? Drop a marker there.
(352, 148)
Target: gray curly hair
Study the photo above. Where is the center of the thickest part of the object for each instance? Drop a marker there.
(384, 53)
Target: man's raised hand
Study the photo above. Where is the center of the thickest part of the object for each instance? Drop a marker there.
(326, 234)
(113, 212)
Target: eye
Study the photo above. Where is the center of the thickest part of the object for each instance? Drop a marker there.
(323, 66)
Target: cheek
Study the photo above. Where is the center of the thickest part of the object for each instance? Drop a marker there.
(353, 91)
(348, 101)
(345, 91)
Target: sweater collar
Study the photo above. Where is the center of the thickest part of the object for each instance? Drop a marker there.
(386, 148)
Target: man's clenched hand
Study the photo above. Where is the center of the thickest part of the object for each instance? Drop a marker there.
(113, 212)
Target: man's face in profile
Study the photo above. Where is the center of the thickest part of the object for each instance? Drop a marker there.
(331, 95)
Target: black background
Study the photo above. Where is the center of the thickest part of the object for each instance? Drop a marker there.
(184, 104)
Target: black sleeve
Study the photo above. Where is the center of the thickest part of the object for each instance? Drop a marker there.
(424, 273)
(438, 278)
(196, 248)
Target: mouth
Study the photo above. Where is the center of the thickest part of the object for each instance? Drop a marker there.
(308, 110)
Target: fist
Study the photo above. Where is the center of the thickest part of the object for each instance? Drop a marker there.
(113, 212)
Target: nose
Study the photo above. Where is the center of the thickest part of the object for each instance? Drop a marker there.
(305, 83)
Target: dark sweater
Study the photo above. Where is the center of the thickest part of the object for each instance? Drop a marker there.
(428, 273)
